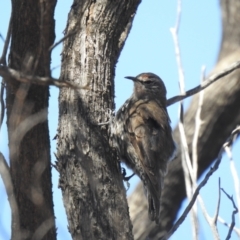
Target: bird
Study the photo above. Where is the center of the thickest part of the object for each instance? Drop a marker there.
(142, 135)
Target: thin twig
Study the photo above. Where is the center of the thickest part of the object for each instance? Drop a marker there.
(236, 230)
(2, 112)
(205, 84)
(235, 211)
(174, 32)
(202, 184)
(61, 40)
(234, 175)
(210, 220)
(6, 43)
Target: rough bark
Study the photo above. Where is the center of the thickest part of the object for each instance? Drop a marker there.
(93, 193)
(220, 114)
(29, 145)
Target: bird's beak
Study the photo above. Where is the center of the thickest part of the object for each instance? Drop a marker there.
(132, 78)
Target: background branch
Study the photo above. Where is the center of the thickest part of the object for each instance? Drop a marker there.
(202, 183)
(7, 180)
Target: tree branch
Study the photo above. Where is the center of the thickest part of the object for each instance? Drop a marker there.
(205, 83)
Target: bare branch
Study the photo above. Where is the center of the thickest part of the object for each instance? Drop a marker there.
(9, 73)
(234, 175)
(202, 184)
(205, 84)
(235, 211)
(198, 123)
(186, 161)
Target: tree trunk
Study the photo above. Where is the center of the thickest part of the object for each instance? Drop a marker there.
(93, 192)
(220, 114)
(29, 145)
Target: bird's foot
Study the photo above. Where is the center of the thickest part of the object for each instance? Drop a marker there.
(110, 114)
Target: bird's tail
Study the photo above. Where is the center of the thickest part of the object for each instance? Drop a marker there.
(154, 186)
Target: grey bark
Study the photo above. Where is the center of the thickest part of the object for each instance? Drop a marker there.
(93, 192)
(220, 114)
(29, 145)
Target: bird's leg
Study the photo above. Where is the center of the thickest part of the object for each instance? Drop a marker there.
(124, 175)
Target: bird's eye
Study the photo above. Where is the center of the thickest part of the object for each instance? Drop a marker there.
(147, 82)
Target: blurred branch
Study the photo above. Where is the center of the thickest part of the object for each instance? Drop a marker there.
(185, 159)
(211, 221)
(235, 211)
(205, 84)
(6, 177)
(2, 103)
(198, 123)
(42, 41)
(21, 129)
(203, 182)
(43, 228)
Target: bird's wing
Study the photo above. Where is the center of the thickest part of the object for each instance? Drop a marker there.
(149, 126)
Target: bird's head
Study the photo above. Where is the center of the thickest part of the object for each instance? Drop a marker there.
(148, 83)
